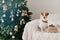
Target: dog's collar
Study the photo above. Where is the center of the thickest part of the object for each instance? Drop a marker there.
(45, 21)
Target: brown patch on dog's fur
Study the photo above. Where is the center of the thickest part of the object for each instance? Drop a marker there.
(45, 14)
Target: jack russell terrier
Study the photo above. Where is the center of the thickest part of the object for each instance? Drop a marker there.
(43, 21)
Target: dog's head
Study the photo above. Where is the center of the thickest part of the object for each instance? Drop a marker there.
(44, 15)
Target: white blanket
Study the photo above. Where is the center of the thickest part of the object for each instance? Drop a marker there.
(30, 33)
(46, 36)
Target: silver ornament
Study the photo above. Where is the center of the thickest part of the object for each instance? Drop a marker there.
(20, 22)
(17, 15)
(17, 12)
(22, 14)
(12, 15)
(2, 20)
(11, 33)
(3, 1)
(4, 15)
(20, 11)
(12, 19)
(19, 4)
(15, 5)
(23, 22)
(22, 2)
(13, 36)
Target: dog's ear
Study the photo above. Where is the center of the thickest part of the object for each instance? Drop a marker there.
(41, 13)
(47, 14)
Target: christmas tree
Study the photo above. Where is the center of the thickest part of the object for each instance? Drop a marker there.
(14, 14)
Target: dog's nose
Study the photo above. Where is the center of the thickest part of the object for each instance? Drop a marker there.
(44, 17)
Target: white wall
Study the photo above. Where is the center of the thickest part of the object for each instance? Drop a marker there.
(38, 6)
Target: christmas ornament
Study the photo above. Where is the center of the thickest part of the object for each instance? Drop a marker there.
(10, 4)
(15, 5)
(22, 3)
(20, 22)
(13, 36)
(11, 33)
(5, 7)
(19, 4)
(17, 15)
(12, 19)
(17, 12)
(3, 1)
(24, 13)
(12, 16)
(4, 15)
(16, 28)
(2, 20)
(23, 22)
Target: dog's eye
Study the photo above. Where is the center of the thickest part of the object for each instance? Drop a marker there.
(47, 14)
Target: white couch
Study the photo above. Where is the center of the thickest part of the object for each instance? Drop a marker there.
(28, 30)
(30, 33)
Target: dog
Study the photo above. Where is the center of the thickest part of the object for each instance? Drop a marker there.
(43, 21)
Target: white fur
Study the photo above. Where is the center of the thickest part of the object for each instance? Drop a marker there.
(42, 24)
